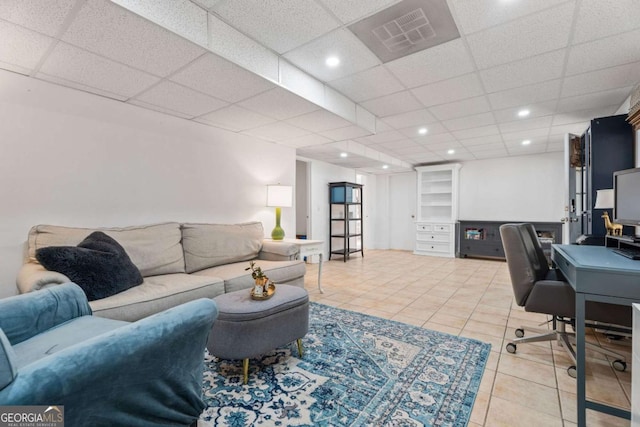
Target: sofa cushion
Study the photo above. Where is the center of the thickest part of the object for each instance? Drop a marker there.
(209, 245)
(154, 249)
(8, 364)
(99, 265)
(155, 294)
(236, 278)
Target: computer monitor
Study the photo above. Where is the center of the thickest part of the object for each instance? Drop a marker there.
(626, 190)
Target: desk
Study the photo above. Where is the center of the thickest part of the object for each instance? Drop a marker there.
(596, 274)
(309, 248)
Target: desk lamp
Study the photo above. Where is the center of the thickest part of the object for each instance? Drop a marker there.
(279, 196)
(604, 200)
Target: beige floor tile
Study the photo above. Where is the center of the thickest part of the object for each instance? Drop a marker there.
(441, 328)
(480, 406)
(527, 393)
(528, 370)
(423, 314)
(485, 328)
(504, 413)
(569, 406)
(408, 320)
(496, 342)
(448, 320)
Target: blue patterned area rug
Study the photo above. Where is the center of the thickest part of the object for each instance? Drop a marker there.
(357, 370)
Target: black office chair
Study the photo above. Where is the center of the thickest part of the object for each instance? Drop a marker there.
(540, 289)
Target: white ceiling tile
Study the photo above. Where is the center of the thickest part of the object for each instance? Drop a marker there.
(594, 100)
(595, 81)
(31, 14)
(481, 141)
(207, 4)
(602, 18)
(540, 68)
(276, 132)
(396, 103)
(477, 132)
(75, 85)
(463, 87)
(583, 115)
(574, 128)
(477, 120)
(604, 53)
(366, 119)
(222, 79)
(462, 108)
(484, 147)
(381, 137)
(306, 140)
(491, 154)
(349, 132)
(382, 126)
(475, 15)
(76, 65)
(526, 95)
(532, 35)
(441, 138)
(178, 98)
(107, 29)
(432, 129)
(319, 121)
(153, 107)
(412, 118)
(526, 149)
(281, 25)
(230, 43)
(540, 109)
(235, 118)
(427, 158)
(339, 104)
(525, 134)
(417, 149)
(353, 54)
(21, 47)
(179, 16)
(352, 10)
(526, 124)
(395, 145)
(434, 64)
(368, 84)
(279, 103)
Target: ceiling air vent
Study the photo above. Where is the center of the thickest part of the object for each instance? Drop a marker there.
(406, 27)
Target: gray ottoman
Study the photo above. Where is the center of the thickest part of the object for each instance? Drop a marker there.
(246, 328)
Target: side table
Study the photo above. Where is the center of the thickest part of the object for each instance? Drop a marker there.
(308, 248)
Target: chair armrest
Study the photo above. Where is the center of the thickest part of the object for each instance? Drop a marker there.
(278, 251)
(24, 316)
(33, 276)
(146, 373)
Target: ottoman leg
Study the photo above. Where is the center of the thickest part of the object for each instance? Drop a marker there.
(245, 370)
(299, 340)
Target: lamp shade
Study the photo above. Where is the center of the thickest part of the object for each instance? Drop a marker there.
(604, 199)
(280, 196)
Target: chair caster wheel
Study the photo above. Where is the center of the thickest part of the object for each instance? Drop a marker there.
(519, 332)
(572, 371)
(619, 365)
(511, 348)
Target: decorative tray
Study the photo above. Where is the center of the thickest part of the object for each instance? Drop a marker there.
(271, 289)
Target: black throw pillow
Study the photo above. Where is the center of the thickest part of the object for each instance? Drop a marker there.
(99, 265)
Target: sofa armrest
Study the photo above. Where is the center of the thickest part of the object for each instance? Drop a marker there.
(146, 373)
(24, 316)
(278, 251)
(33, 276)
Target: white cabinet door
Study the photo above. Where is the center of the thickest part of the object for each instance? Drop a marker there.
(402, 206)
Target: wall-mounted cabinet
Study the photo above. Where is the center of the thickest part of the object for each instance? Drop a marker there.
(437, 209)
(345, 219)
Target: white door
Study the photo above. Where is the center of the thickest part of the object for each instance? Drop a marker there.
(574, 208)
(402, 211)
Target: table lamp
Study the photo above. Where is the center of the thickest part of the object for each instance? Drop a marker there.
(279, 196)
(604, 200)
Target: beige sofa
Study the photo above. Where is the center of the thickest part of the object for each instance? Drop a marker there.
(179, 263)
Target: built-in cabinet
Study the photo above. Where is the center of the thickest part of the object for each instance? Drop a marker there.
(437, 209)
(608, 146)
(345, 219)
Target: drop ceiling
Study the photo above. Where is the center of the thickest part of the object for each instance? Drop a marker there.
(258, 68)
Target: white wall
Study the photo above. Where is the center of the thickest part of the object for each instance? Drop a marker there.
(72, 158)
(523, 188)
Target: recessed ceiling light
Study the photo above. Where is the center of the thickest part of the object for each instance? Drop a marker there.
(526, 142)
(423, 131)
(385, 166)
(452, 151)
(332, 61)
(523, 113)
(343, 154)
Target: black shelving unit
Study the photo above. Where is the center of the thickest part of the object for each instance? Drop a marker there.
(345, 219)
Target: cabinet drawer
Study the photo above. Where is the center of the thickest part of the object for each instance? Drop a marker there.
(432, 247)
(444, 228)
(433, 237)
(424, 227)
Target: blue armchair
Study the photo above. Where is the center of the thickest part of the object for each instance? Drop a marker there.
(104, 371)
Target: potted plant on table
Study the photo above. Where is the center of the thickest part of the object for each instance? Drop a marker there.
(261, 279)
